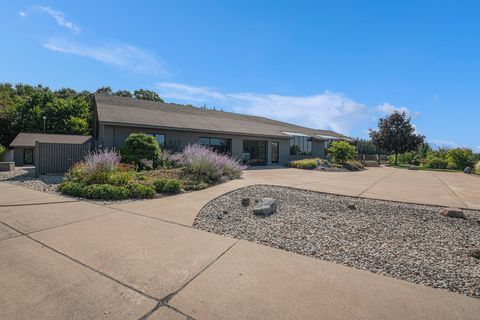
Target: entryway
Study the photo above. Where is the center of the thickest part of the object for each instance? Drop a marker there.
(255, 152)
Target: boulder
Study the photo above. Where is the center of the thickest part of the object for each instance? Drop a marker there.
(245, 202)
(474, 253)
(265, 207)
(412, 167)
(467, 170)
(453, 213)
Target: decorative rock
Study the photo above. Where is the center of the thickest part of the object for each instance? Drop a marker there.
(265, 207)
(474, 253)
(351, 207)
(467, 170)
(245, 202)
(453, 213)
(412, 167)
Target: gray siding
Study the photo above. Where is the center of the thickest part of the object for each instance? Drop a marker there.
(57, 158)
(18, 155)
(114, 136)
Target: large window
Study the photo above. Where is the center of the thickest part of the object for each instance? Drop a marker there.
(300, 145)
(221, 145)
(159, 137)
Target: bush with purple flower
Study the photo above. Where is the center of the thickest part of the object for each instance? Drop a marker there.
(206, 165)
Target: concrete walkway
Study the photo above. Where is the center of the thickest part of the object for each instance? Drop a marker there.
(62, 259)
(423, 187)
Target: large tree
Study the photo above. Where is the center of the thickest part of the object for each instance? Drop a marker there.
(147, 95)
(396, 134)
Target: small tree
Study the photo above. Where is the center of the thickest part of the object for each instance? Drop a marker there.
(342, 151)
(396, 134)
(3, 150)
(139, 147)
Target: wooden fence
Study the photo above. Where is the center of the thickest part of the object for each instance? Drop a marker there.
(57, 158)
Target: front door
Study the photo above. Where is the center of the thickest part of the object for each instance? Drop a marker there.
(275, 152)
(255, 152)
(27, 156)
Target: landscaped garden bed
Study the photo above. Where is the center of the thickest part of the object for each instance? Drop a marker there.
(405, 241)
(141, 170)
(341, 156)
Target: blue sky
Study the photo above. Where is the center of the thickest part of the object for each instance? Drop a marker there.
(332, 65)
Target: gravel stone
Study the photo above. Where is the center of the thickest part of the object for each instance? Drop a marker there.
(266, 207)
(245, 202)
(25, 177)
(400, 240)
(475, 253)
(453, 213)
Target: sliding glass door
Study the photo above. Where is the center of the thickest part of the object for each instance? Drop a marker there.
(255, 152)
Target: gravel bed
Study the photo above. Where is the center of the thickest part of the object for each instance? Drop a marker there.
(406, 241)
(25, 177)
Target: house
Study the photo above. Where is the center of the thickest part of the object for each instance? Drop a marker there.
(252, 139)
(24, 145)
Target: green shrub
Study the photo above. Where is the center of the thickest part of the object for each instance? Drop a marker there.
(341, 151)
(477, 168)
(304, 163)
(3, 150)
(71, 188)
(98, 177)
(137, 190)
(435, 162)
(459, 158)
(120, 178)
(105, 192)
(139, 149)
(167, 185)
(192, 185)
(77, 173)
(353, 165)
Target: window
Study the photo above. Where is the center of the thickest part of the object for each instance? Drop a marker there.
(220, 145)
(159, 137)
(300, 145)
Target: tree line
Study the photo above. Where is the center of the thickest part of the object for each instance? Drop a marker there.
(66, 111)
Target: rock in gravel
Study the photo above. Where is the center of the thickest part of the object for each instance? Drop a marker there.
(266, 207)
(474, 253)
(351, 206)
(245, 202)
(453, 213)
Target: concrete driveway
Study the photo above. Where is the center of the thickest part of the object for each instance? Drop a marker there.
(62, 259)
(423, 187)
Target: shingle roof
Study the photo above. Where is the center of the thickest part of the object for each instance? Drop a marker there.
(29, 139)
(130, 111)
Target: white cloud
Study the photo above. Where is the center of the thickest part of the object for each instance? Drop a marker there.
(22, 14)
(435, 144)
(387, 108)
(121, 55)
(327, 110)
(59, 17)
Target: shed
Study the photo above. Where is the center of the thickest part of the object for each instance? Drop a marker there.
(24, 145)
